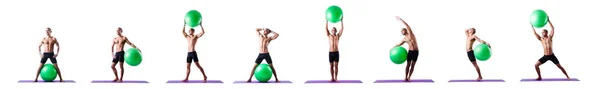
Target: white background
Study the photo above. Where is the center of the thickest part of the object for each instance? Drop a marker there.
(228, 49)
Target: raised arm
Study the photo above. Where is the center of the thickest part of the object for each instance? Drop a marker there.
(327, 28)
(405, 24)
(535, 33)
(258, 32)
(551, 35)
(201, 31)
(275, 35)
(342, 28)
(57, 47)
(183, 31)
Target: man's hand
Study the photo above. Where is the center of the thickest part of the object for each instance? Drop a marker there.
(41, 55)
(398, 18)
(342, 19)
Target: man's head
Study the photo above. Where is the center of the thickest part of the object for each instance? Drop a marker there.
(267, 31)
(545, 33)
(191, 31)
(119, 31)
(48, 31)
(334, 30)
(472, 31)
(404, 31)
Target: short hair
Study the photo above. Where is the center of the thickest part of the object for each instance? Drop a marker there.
(474, 30)
(192, 29)
(545, 30)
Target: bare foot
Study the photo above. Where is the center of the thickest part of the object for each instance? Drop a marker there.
(539, 78)
(205, 79)
(332, 80)
(568, 78)
(120, 80)
(184, 80)
(479, 79)
(249, 80)
(61, 80)
(35, 80)
(276, 80)
(116, 79)
(405, 79)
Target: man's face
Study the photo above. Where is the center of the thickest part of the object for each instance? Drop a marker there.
(545, 33)
(48, 31)
(119, 31)
(403, 31)
(334, 30)
(267, 31)
(191, 31)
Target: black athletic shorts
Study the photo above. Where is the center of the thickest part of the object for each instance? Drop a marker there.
(119, 57)
(549, 57)
(47, 56)
(263, 56)
(192, 56)
(334, 57)
(412, 55)
(471, 56)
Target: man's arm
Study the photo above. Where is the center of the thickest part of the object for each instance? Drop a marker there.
(342, 28)
(327, 28)
(57, 47)
(405, 24)
(401, 43)
(129, 42)
(258, 32)
(201, 31)
(40, 47)
(112, 49)
(535, 33)
(551, 35)
(482, 41)
(275, 35)
(183, 31)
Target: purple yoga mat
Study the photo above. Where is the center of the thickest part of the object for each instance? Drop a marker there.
(256, 82)
(42, 81)
(195, 81)
(474, 80)
(124, 81)
(549, 79)
(402, 81)
(329, 81)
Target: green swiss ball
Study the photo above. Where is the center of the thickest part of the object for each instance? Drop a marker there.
(398, 55)
(193, 18)
(334, 14)
(263, 73)
(133, 57)
(538, 18)
(48, 73)
(482, 52)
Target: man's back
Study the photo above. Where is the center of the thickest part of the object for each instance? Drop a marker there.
(48, 43)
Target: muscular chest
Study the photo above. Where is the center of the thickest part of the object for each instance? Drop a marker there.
(120, 41)
(48, 41)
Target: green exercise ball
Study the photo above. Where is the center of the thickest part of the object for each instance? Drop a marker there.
(193, 18)
(48, 72)
(538, 18)
(263, 73)
(133, 57)
(482, 52)
(334, 14)
(398, 55)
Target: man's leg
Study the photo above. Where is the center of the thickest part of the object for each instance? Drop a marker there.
(412, 69)
(187, 73)
(252, 72)
(477, 69)
(38, 72)
(336, 70)
(274, 72)
(122, 72)
(408, 63)
(115, 71)
(201, 70)
(563, 70)
(537, 69)
(54, 62)
(331, 71)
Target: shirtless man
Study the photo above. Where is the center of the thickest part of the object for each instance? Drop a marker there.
(546, 40)
(334, 55)
(119, 56)
(48, 42)
(471, 38)
(413, 49)
(192, 55)
(264, 50)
